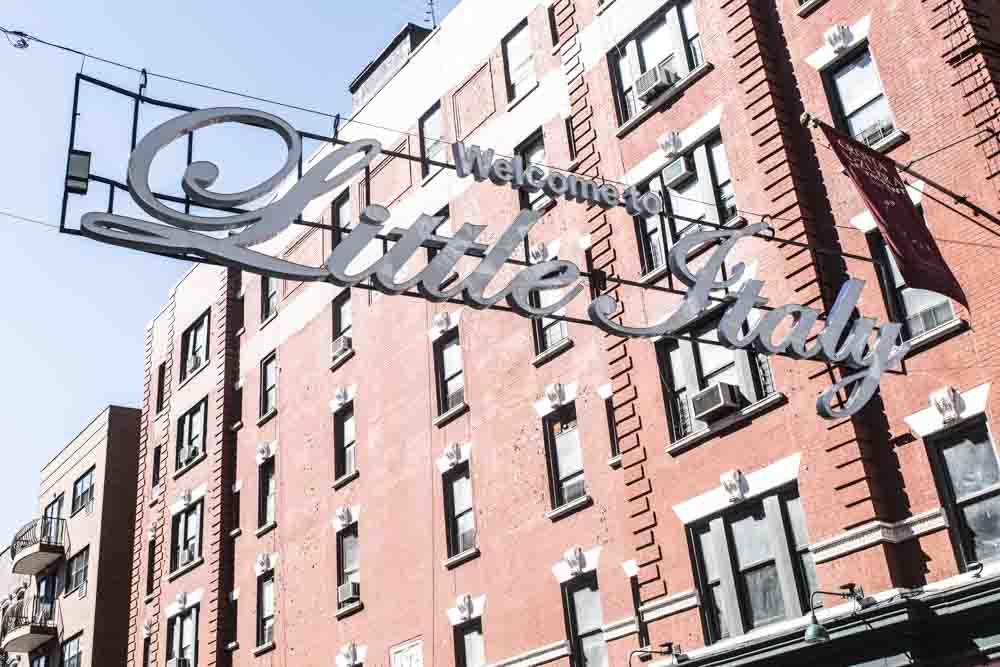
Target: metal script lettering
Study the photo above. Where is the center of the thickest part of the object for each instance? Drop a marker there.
(844, 338)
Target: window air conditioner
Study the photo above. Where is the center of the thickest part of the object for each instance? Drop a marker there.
(718, 400)
(349, 592)
(466, 540)
(655, 81)
(456, 398)
(574, 490)
(188, 554)
(678, 171)
(268, 637)
(342, 345)
(194, 362)
(876, 132)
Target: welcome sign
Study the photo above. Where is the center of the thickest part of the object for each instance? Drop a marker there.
(844, 339)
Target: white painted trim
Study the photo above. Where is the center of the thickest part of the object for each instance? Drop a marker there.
(605, 391)
(562, 571)
(196, 494)
(545, 407)
(355, 511)
(865, 222)
(360, 651)
(584, 242)
(454, 317)
(878, 532)
(825, 56)
(537, 656)
(265, 562)
(445, 464)
(189, 600)
(631, 568)
(266, 451)
(619, 629)
(456, 617)
(237, 486)
(234, 594)
(690, 136)
(930, 422)
(342, 397)
(759, 481)
(669, 605)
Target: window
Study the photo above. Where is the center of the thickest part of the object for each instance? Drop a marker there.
(342, 216)
(584, 618)
(519, 62)
(191, 434)
(562, 440)
(532, 151)
(76, 571)
(919, 310)
(161, 386)
(753, 565)
(265, 609)
(431, 145)
(670, 39)
(234, 615)
(348, 564)
(71, 656)
(268, 494)
(342, 320)
(236, 509)
(547, 332)
(459, 514)
(450, 375)
(268, 385)
(345, 442)
(268, 297)
(52, 530)
(182, 637)
(194, 346)
(695, 186)
(186, 531)
(609, 411)
(858, 99)
(470, 651)
(83, 491)
(46, 592)
(157, 464)
(147, 652)
(408, 655)
(968, 478)
(37, 661)
(150, 566)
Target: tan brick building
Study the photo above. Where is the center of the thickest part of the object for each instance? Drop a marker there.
(338, 476)
(69, 566)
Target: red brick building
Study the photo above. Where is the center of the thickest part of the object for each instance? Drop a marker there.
(338, 476)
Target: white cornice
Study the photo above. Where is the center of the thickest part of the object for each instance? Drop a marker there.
(878, 532)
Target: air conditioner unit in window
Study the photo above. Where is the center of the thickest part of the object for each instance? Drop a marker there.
(876, 132)
(456, 398)
(656, 81)
(341, 345)
(268, 637)
(678, 171)
(188, 554)
(349, 592)
(194, 362)
(718, 400)
(466, 540)
(575, 489)
(193, 453)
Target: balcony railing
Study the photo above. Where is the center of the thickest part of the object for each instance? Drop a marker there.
(37, 545)
(28, 623)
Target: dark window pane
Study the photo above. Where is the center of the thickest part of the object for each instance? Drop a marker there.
(750, 538)
(587, 604)
(716, 613)
(972, 463)
(797, 518)
(473, 649)
(808, 565)
(595, 651)
(982, 519)
(762, 595)
(707, 554)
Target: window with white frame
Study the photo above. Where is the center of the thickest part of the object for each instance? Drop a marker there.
(182, 638)
(83, 491)
(918, 310)
(408, 655)
(460, 517)
(191, 434)
(470, 650)
(432, 146)
(267, 493)
(968, 479)
(858, 98)
(532, 151)
(343, 321)
(547, 332)
(76, 571)
(265, 608)
(565, 455)
(150, 565)
(186, 540)
(343, 218)
(449, 371)
(71, 655)
(696, 186)
(584, 621)
(519, 61)
(687, 367)
(348, 566)
(269, 385)
(753, 565)
(669, 39)
(268, 297)
(345, 457)
(194, 347)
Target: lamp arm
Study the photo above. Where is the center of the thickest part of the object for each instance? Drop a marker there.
(812, 597)
(646, 651)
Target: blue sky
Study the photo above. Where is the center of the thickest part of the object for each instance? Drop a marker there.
(76, 310)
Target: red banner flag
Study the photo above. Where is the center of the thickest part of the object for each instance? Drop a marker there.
(907, 236)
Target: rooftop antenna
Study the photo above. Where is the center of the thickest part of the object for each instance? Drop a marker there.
(432, 14)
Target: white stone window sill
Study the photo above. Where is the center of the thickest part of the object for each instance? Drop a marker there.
(181, 571)
(265, 648)
(746, 414)
(232, 646)
(604, 7)
(807, 8)
(895, 139)
(451, 415)
(669, 95)
(458, 559)
(522, 97)
(267, 320)
(432, 174)
(352, 608)
(341, 359)
(547, 355)
(928, 338)
(235, 532)
(344, 480)
(266, 417)
(615, 462)
(192, 374)
(571, 507)
(654, 275)
(156, 494)
(237, 426)
(266, 528)
(190, 464)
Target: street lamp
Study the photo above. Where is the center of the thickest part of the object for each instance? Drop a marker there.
(669, 649)
(78, 172)
(815, 632)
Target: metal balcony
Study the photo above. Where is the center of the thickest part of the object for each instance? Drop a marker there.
(27, 624)
(38, 545)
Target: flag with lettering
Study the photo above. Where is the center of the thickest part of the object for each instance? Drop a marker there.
(878, 182)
